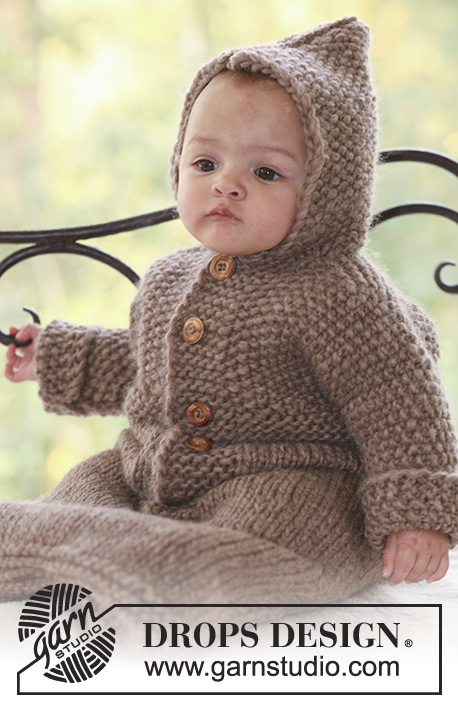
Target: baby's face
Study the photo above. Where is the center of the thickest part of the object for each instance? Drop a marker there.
(242, 163)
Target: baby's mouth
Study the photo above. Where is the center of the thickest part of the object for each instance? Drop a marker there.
(223, 213)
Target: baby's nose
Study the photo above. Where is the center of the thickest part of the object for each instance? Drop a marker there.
(228, 186)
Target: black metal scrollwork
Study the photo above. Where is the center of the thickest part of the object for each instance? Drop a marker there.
(51, 241)
(429, 157)
(10, 339)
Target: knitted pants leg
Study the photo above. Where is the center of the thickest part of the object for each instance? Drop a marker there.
(125, 556)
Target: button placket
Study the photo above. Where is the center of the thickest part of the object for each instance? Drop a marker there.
(199, 413)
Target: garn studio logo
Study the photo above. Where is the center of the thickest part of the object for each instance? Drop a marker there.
(66, 633)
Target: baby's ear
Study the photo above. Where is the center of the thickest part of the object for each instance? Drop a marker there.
(177, 161)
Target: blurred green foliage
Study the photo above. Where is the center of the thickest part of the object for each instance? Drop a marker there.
(91, 93)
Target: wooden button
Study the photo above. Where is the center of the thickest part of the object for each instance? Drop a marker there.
(199, 443)
(193, 330)
(222, 267)
(199, 413)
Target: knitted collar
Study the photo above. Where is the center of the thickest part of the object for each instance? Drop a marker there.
(326, 73)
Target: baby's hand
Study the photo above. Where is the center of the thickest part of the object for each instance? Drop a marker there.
(20, 367)
(416, 555)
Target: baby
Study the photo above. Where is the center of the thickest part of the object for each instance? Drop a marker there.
(289, 439)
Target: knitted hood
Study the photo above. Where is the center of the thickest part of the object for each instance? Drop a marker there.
(326, 73)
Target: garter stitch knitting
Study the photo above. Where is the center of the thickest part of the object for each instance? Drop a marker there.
(268, 457)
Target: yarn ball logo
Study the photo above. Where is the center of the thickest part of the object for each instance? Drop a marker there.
(66, 633)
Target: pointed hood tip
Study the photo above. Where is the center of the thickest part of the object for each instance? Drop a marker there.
(351, 23)
(352, 20)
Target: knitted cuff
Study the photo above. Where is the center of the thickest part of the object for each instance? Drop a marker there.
(410, 499)
(61, 363)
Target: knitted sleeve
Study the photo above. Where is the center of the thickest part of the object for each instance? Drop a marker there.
(83, 370)
(376, 359)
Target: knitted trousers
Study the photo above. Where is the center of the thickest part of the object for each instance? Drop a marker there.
(278, 538)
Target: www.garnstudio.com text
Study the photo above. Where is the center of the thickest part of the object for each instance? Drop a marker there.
(316, 666)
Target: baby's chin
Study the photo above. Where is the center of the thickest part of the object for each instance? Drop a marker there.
(235, 247)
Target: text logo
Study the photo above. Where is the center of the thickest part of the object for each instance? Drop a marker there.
(66, 633)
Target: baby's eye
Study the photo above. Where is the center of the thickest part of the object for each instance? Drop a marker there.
(266, 173)
(205, 165)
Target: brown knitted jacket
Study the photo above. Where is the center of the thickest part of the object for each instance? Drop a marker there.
(285, 410)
